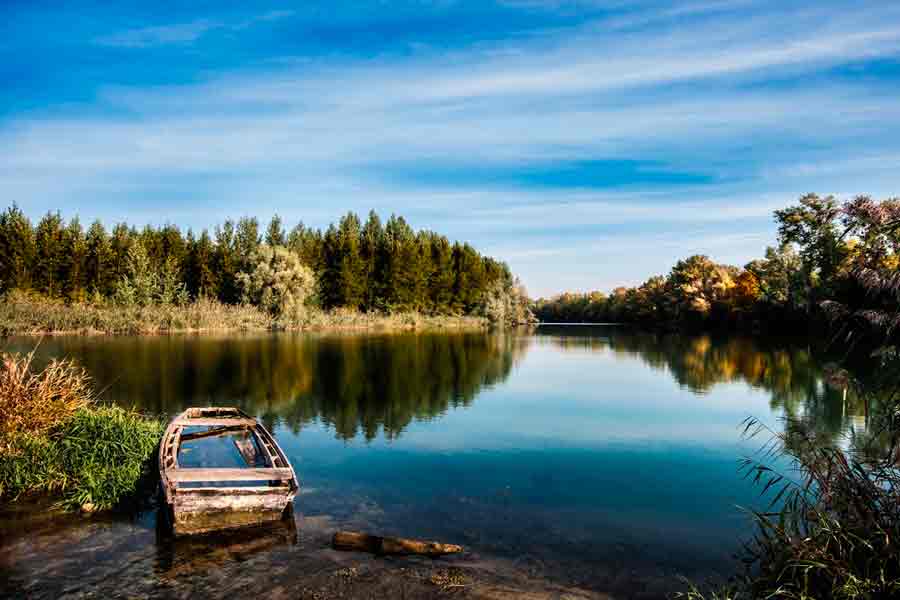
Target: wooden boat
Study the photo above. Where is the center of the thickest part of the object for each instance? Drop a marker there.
(202, 495)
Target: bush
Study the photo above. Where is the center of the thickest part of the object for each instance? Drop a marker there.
(278, 282)
(94, 460)
(53, 440)
(33, 403)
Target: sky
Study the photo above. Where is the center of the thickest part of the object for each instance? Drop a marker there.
(587, 143)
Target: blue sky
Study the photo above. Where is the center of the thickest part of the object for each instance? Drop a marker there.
(588, 143)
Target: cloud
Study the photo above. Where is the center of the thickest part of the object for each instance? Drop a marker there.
(144, 37)
(746, 101)
(182, 33)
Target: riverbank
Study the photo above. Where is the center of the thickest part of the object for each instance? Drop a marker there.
(55, 442)
(105, 554)
(28, 314)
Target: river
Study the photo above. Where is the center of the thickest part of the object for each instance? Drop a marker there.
(587, 456)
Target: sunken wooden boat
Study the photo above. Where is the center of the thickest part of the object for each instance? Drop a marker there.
(219, 468)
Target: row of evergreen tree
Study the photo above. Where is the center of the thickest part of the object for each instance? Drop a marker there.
(365, 266)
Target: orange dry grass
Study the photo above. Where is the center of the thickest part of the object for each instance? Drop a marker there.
(33, 402)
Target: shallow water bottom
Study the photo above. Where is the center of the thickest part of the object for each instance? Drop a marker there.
(594, 460)
(53, 555)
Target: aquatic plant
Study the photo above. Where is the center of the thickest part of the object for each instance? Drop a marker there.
(93, 461)
(32, 403)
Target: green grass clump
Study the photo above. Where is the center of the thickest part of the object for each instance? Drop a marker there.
(93, 461)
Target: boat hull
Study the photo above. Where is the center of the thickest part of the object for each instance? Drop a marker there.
(204, 510)
(199, 499)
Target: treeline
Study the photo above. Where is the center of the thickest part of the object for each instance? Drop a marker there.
(831, 257)
(371, 266)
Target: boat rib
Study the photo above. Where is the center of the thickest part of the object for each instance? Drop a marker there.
(202, 499)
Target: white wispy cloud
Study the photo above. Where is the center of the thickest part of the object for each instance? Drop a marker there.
(143, 37)
(181, 33)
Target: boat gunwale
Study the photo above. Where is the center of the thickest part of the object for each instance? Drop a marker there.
(170, 445)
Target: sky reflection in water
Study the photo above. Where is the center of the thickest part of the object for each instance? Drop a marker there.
(587, 451)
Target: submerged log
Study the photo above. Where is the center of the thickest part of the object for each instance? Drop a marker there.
(362, 542)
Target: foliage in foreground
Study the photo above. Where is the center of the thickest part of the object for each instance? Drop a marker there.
(836, 534)
(93, 461)
(54, 440)
(33, 403)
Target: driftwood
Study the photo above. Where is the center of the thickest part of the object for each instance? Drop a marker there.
(362, 542)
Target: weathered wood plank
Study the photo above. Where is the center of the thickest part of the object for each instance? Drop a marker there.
(215, 422)
(235, 491)
(200, 474)
(223, 430)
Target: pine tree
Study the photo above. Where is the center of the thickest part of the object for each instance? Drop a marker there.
(440, 282)
(17, 250)
(172, 246)
(330, 293)
(352, 269)
(191, 279)
(119, 243)
(370, 241)
(246, 241)
(201, 279)
(48, 251)
(225, 261)
(469, 278)
(71, 261)
(368, 267)
(152, 244)
(402, 265)
(98, 259)
(275, 233)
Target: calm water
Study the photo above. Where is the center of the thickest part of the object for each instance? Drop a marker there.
(594, 456)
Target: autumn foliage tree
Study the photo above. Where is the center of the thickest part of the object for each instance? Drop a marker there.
(830, 254)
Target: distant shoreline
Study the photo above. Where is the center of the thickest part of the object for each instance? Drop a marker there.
(29, 315)
(603, 324)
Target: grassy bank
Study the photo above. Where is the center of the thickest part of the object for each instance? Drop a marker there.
(32, 314)
(55, 440)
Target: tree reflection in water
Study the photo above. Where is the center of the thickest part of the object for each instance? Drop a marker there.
(359, 385)
(794, 375)
(365, 385)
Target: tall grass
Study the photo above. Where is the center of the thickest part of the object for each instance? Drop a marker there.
(93, 461)
(53, 439)
(32, 403)
(24, 313)
(832, 530)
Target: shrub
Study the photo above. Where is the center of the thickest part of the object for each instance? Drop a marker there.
(33, 403)
(278, 282)
(53, 440)
(94, 460)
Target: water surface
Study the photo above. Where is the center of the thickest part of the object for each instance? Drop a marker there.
(593, 456)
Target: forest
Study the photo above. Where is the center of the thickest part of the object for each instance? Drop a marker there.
(370, 267)
(829, 256)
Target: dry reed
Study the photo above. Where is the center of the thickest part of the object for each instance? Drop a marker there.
(34, 402)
